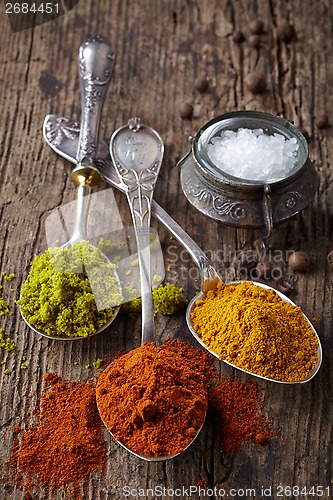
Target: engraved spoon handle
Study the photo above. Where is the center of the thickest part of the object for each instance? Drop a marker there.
(137, 153)
(95, 64)
(96, 61)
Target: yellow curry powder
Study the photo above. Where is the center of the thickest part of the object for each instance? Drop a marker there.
(254, 329)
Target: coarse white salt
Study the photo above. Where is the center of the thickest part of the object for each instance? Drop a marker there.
(253, 155)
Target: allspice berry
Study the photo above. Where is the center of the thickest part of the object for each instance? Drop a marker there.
(244, 259)
(201, 84)
(186, 110)
(261, 438)
(321, 121)
(254, 41)
(238, 36)
(256, 27)
(299, 261)
(256, 82)
(285, 31)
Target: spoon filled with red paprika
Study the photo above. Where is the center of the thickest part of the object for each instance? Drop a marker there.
(149, 404)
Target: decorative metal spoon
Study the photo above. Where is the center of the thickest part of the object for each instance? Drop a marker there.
(212, 284)
(137, 152)
(95, 64)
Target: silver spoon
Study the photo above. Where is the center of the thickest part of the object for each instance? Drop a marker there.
(55, 126)
(137, 152)
(95, 64)
(211, 284)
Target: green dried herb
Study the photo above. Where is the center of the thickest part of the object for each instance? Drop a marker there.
(8, 277)
(4, 308)
(57, 297)
(6, 342)
(98, 363)
(167, 298)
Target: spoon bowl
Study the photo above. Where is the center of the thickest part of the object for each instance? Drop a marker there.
(145, 457)
(282, 297)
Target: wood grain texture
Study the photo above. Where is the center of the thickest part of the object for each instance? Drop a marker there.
(161, 47)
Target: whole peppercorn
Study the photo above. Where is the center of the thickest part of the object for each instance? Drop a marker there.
(238, 36)
(299, 261)
(256, 82)
(256, 27)
(285, 31)
(330, 258)
(186, 110)
(201, 84)
(254, 41)
(321, 121)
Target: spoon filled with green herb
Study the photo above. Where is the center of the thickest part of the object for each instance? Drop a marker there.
(73, 291)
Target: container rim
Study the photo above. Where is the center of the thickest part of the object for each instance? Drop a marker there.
(245, 119)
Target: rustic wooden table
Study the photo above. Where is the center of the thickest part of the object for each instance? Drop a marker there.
(161, 47)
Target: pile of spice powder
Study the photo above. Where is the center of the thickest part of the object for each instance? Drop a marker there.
(254, 329)
(235, 409)
(66, 445)
(167, 298)
(59, 297)
(154, 399)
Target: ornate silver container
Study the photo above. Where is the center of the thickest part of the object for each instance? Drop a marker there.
(240, 202)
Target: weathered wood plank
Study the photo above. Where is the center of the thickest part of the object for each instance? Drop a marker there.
(160, 48)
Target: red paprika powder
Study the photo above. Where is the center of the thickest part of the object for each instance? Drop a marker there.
(154, 399)
(66, 445)
(237, 415)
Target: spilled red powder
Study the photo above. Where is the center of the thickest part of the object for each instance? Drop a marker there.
(66, 445)
(237, 415)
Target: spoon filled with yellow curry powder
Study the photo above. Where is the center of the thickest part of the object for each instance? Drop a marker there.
(73, 291)
(153, 400)
(256, 329)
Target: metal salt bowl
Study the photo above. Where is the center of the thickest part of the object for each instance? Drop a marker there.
(240, 202)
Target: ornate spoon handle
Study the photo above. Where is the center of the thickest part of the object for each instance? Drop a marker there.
(137, 153)
(95, 64)
(96, 61)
